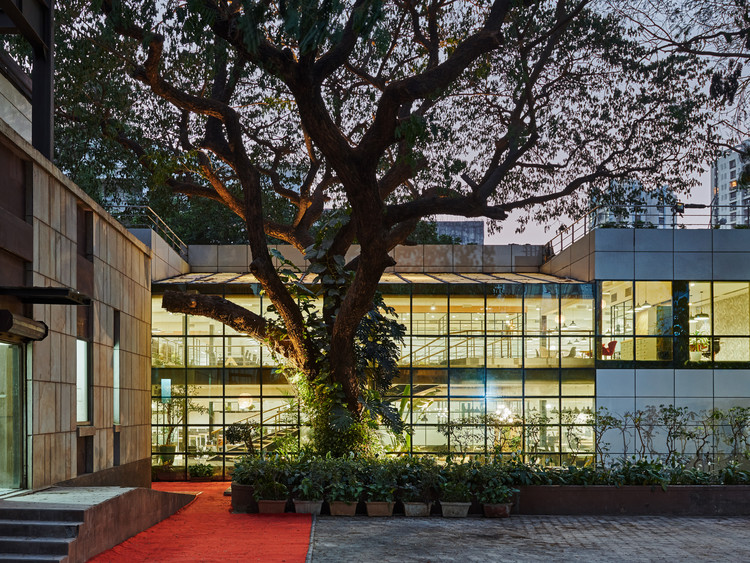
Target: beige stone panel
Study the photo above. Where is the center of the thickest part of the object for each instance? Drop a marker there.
(71, 219)
(56, 368)
(39, 455)
(65, 408)
(40, 362)
(40, 182)
(55, 205)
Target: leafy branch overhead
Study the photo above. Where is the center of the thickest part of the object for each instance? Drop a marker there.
(334, 123)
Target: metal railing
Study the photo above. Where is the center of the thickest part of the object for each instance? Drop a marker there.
(677, 216)
(143, 217)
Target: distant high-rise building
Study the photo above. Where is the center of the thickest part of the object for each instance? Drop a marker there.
(730, 202)
(640, 208)
(470, 232)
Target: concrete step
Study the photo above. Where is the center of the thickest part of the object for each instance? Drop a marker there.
(23, 558)
(34, 546)
(40, 512)
(39, 528)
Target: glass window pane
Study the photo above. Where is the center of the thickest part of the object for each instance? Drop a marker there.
(203, 326)
(429, 351)
(542, 351)
(505, 425)
(653, 349)
(429, 410)
(429, 314)
(242, 352)
(653, 309)
(242, 409)
(242, 381)
(167, 352)
(577, 308)
(616, 348)
(699, 321)
(168, 382)
(204, 383)
(578, 382)
(466, 351)
(467, 314)
(617, 308)
(205, 352)
(469, 411)
(504, 309)
(542, 382)
(542, 439)
(163, 322)
(429, 439)
(82, 381)
(504, 383)
(467, 382)
(726, 349)
(429, 381)
(504, 352)
(402, 305)
(541, 308)
(731, 309)
(576, 351)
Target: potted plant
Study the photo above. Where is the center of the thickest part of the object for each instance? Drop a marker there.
(247, 470)
(308, 495)
(496, 500)
(455, 499)
(271, 495)
(345, 489)
(380, 489)
(421, 485)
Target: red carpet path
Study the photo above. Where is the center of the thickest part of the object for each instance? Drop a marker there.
(206, 530)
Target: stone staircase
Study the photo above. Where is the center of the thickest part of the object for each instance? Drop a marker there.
(38, 533)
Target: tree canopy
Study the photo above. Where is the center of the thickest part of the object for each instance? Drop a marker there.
(355, 119)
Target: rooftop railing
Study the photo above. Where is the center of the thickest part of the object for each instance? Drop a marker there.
(143, 217)
(674, 216)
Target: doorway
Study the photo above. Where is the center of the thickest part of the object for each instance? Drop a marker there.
(11, 416)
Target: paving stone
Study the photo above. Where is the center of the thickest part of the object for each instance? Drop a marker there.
(530, 538)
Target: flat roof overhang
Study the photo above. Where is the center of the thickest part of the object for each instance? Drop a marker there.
(240, 279)
(47, 295)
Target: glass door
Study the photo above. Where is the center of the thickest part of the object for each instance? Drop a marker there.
(11, 417)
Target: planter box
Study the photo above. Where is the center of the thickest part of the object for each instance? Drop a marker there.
(271, 506)
(379, 508)
(308, 506)
(455, 509)
(501, 510)
(342, 508)
(243, 499)
(417, 508)
(682, 500)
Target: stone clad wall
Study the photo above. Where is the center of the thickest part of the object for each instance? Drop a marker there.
(121, 281)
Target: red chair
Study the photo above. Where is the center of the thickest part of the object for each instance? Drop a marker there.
(609, 349)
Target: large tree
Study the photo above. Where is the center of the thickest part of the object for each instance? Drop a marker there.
(362, 117)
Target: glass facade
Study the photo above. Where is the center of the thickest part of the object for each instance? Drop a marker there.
(485, 367)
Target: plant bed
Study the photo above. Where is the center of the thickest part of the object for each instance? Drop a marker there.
(455, 509)
(379, 508)
(243, 499)
(497, 510)
(271, 506)
(682, 500)
(417, 509)
(308, 506)
(342, 508)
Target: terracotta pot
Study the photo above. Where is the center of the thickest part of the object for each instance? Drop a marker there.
(342, 508)
(417, 508)
(455, 509)
(307, 506)
(379, 508)
(271, 506)
(243, 499)
(501, 510)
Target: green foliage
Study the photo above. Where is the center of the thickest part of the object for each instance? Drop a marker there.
(200, 471)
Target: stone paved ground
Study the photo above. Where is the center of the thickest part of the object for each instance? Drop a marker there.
(530, 538)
